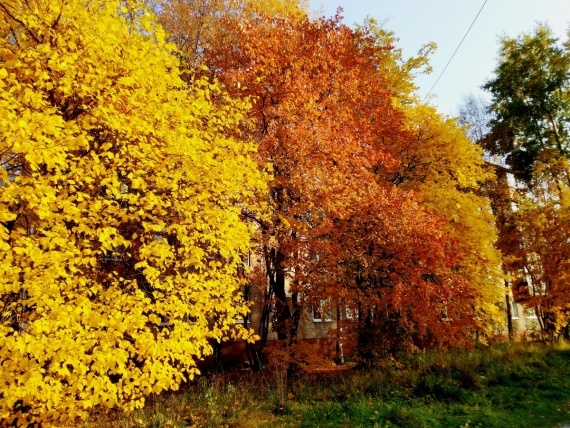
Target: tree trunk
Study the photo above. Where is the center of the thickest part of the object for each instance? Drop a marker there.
(509, 314)
(339, 345)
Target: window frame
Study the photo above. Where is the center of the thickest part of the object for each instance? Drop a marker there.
(328, 316)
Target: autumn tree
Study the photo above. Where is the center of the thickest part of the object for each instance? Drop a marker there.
(541, 267)
(392, 266)
(533, 230)
(327, 121)
(313, 88)
(199, 26)
(528, 126)
(445, 170)
(120, 211)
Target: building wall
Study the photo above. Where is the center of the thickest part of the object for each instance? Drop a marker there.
(525, 323)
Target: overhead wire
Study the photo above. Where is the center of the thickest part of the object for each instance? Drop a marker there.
(452, 56)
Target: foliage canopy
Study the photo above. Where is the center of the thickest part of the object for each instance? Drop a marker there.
(120, 208)
(528, 125)
(531, 99)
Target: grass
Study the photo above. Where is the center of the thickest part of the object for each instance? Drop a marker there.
(522, 385)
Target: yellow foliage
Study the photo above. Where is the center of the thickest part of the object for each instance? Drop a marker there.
(120, 202)
(447, 170)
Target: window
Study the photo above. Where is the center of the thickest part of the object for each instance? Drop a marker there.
(289, 273)
(322, 312)
(242, 319)
(514, 310)
(352, 314)
(530, 313)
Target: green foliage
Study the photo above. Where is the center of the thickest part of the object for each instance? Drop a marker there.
(530, 126)
(531, 91)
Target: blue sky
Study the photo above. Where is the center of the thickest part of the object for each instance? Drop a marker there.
(445, 22)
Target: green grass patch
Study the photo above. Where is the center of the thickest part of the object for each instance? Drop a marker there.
(522, 385)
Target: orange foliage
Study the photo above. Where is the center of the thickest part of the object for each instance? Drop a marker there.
(324, 121)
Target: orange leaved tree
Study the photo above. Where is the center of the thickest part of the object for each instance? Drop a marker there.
(325, 123)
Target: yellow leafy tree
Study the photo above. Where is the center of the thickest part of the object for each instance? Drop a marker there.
(399, 71)
(447, 171)
(120, 200)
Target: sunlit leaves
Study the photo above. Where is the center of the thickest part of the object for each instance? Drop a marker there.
(120, 207)
(327, 118)
(529, 127)
(447, 170)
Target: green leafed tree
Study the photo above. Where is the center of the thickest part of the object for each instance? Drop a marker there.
(530, 99)
(530, 126)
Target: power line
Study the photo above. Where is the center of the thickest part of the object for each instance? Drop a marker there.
(452, 56)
